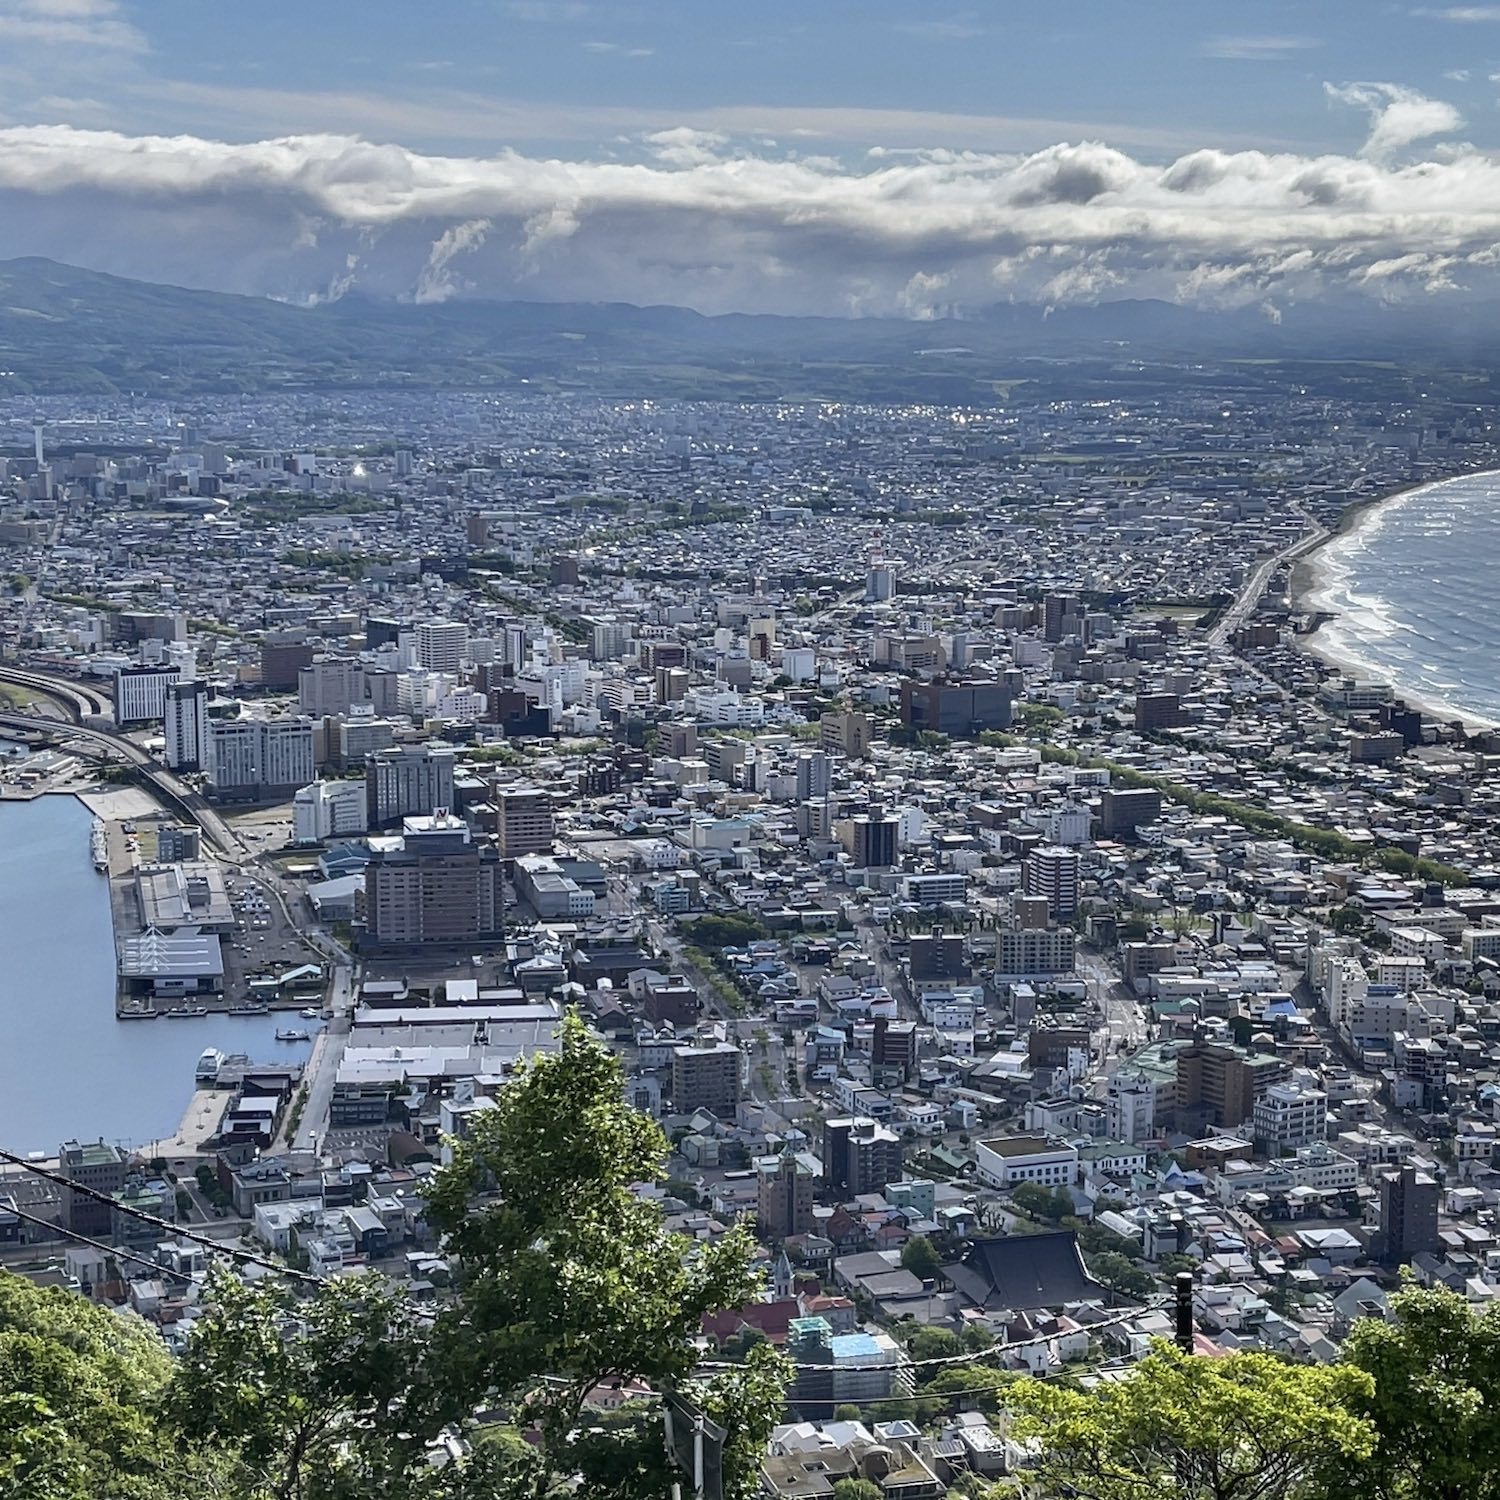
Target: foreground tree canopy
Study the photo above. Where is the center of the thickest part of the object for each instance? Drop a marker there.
(569, 1280)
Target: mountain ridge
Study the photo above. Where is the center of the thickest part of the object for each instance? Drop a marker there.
(66, 329)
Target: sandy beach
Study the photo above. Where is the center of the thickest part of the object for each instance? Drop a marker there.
(1310, 594)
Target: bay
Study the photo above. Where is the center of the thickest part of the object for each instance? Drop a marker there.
(68, 1068)
(1412, 588)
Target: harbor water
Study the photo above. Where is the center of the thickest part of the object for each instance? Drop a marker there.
(68, 1068)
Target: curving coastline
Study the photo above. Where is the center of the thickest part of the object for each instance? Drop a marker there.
(1405, 584)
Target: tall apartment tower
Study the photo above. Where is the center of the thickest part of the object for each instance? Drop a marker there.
(1051, 872)
(874, 841)
(407, 781)
(523, 820)
(814, 776)
(859, 1155)
(92, 1164)
(1408, 1215)
(442, 645)
(706, 1076)
(186, 727)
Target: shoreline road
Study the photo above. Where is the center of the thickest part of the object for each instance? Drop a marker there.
(1243, 605)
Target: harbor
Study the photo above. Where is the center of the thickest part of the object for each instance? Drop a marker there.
(69, 1069)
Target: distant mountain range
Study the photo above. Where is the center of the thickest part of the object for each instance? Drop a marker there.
(68, 330)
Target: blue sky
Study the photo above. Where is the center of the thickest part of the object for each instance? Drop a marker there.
(842, 155)
(1150, 75)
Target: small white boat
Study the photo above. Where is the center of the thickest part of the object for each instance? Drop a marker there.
(291, 1036)
(310, 1014)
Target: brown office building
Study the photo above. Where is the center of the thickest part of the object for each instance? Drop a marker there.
(438, 889)
(1218, 1084)
(706, 1076)
(523, 819)
(784, 1197)
(1408, 1215)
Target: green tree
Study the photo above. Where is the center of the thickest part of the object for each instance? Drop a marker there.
(934, 1343)
(856, 1489)
(1052, 1204)
(569, 1277)
(1246, 1427)
(80, 1394)
(920, 1257)
(1435, 1369)
(1114, 1271)
(317, 1396)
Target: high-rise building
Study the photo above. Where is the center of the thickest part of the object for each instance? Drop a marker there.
(1159, 711)
(524, 821)
(859, 1155)
(1408, 1215)
(251, 759)
(1286, 1117)
(784, 1195)
(1218, 1084)
(408, 780)
(186, 726)
(1060, 617)
(1029, 952)
(435, 888)
(282, 655)
(706, 1075)
(441, 645)
(880, 583)
(327, 810)
(1051, 872)
(814, 776)
(330, 685)
(141, 693)
(874, 841)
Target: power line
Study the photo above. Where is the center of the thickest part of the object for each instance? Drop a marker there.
(83, 1239)
(170, 1229)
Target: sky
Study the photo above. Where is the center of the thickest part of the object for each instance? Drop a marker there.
(848, 157)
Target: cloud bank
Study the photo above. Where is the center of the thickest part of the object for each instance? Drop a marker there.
(716, 223)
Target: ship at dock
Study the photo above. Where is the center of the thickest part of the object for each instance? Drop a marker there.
(99, 846)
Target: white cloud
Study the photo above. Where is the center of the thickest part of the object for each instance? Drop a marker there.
(93, 24)
(718, 221)
(619, 49)
(1257, 48)
(1463, 14)
(1399, 117)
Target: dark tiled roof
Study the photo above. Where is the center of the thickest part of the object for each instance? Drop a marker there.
(1024, 1272)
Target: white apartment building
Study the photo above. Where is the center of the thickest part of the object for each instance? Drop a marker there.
(442, 645)
(328, 809)
(141, 693)
(186, 726)
(252, 757)
(1007, 1160)
(723, 706)
(1286, 1117)
(1131, 1106)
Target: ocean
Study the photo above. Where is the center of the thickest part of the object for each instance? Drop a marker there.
(68, 1068)
(1412, 589)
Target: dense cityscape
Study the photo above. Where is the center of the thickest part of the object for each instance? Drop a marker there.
(942, 814)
